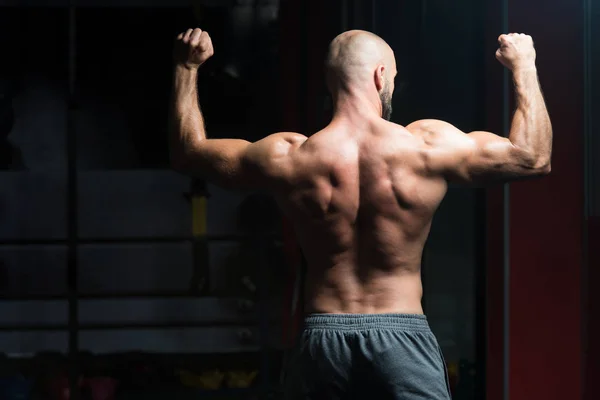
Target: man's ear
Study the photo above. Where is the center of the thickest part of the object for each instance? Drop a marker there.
(380, 78)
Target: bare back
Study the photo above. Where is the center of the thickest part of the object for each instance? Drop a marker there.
(362, 192)
(362, 206)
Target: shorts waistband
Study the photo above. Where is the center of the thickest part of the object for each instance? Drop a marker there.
(405, 322)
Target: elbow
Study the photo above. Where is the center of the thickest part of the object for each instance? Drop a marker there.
(535, 165)
(545, 169)
(541, 166)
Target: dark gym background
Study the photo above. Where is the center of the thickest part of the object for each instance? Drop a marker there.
(108, 278)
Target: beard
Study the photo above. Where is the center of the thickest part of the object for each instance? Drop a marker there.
(386, 104)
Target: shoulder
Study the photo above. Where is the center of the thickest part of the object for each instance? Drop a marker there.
(276, 145)
(422, 129)
(272, 156)
(427, 127)
(289, 137)
(280, 144)
(436, 133)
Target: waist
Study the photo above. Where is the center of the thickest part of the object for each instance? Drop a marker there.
(354, 322)
(386, 295)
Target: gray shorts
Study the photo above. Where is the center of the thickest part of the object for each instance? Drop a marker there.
(388, 356)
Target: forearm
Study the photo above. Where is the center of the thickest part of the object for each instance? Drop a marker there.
(186, 121)
(531, 130)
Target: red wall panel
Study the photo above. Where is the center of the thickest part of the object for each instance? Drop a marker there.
(495, 213)
(546, 221)
(592, 312)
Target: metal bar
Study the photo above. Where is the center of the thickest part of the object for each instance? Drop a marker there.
(243, 393)
(72, 209)
(506, 225)
(104, 296)
(303, 70)
(242, 323)
(164, 4)
(587, 180)
(132, 240)
(482, 300)
(357, 20)
(344, 15)
(265, 320)
(587, 102)
(374, 16)
(132, 355)
(480, 293)
(41, 297)
(34, 327)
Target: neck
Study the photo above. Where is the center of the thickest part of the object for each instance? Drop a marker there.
(349, 105)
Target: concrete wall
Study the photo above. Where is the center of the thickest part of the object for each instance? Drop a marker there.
(122, 193)
(118, 204)
(114, 205)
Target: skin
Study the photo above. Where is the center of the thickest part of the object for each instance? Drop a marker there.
(362, 192)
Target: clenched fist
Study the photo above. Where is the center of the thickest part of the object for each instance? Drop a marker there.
(193, 48)
(516, 51)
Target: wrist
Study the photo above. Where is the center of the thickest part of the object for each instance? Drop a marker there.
(185, 72)
(186, 67)
(523, 74)
(524, 69)
(185, 76)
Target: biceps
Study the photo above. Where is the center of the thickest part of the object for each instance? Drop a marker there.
(489, 157)
(240, 164)
(235, 163)
(217, 160)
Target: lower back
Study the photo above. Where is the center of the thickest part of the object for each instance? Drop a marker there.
(344, 289)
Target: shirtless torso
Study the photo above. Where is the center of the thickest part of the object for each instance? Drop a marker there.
(362, 202)
(362, 192)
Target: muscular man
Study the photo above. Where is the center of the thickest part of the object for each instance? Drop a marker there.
(361, 195)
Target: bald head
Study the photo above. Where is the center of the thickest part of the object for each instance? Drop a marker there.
(361, 61)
